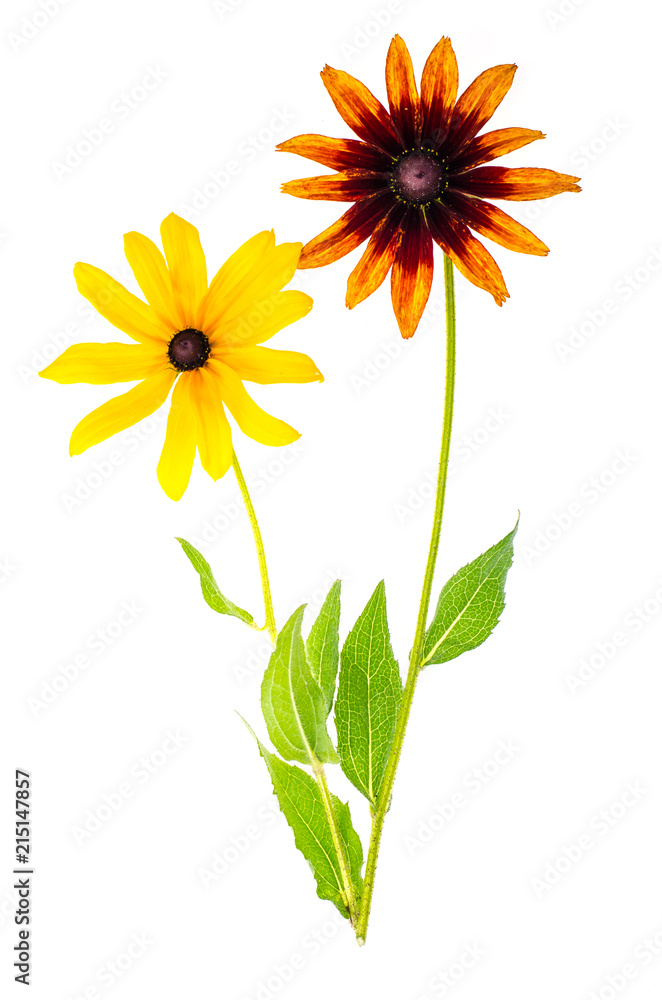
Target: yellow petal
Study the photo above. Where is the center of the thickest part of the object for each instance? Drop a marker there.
(252, 419)
(261, 364)
(121, 308)
(176, 461)
(213, 434)
(122, 411)
(256, 325)
(149, 267)
(187, 267)
(101, 364)
(267, 277)
(228, 277)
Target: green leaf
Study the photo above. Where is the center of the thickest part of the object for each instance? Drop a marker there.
(292, 701)
(210, 591)
(301, 802)
(322, 645)
(369, 693)
(470, 604)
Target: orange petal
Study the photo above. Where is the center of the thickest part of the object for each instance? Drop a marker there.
(478, 103)
(345, 235)
(439, 84)
(377, 259)
(467, 253)
(514, 184)
(489, 220)
(411, 277)
(492, 144)
(339, 154)
(403, 97)
(350, 185)
(361, 110)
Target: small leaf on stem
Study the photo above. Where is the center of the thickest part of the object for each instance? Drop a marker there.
(210, 590)
(470, 604)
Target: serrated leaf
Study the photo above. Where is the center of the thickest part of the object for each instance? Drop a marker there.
(369, 694)
(210, 590)
(292, 701)
(322, 645)
(470, 604)
(301, 803)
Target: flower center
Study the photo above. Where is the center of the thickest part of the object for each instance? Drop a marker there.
(188, 349)
(419, 176)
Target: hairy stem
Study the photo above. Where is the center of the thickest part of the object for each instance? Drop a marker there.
(343, 861)
(415, 661)
(270, 622)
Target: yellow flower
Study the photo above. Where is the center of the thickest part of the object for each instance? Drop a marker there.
(201, 338)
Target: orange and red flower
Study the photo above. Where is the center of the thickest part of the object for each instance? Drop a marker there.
(416, 176)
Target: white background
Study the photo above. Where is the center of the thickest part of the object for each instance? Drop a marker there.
(353, 500)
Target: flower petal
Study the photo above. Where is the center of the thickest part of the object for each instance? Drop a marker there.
(121, 308)
(361, 110)
(259, 288)
(252, 419)
(411, 277)
(176, 461)
(233, 272)
(339, 154)
(403, 99)
(477, 104)
(254, 326)
(349, 185)
(149, 267)
(101, 364)
(489, 220)
(492, 144)
(514, 183)
(122, 411)
(345, 235)
(467, 253)
(187, 267)
(214, 435)
(265, 366)
(439, 84)
(377, 258)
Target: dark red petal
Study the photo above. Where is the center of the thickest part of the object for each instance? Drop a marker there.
(467, 253)
(355, 226)
(361, 110)
(477, 105)
(377, 258)
(488, 146)
(411, 277)
(403, 99)
(350, 185)
(490, 221)
(513, 183)
(339, 154)
(438, 92)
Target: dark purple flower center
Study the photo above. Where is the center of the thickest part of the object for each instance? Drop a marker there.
(419, 176)
(188, 349)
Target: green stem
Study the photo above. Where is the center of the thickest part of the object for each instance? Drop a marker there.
(270, 623)
(329, 809)
(419, 637)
